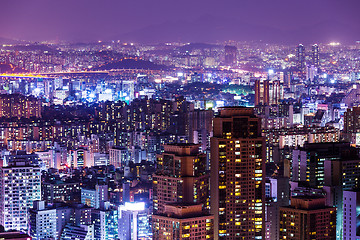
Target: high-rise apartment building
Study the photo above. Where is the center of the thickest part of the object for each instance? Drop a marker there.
(20, 186)
(237, 175)
(268, 92)
(19, 106)
(262, 92)
(48, 221)
(300, 57)
(180, 177)
(181, 194)
(315, 55)
(42, 221)
(277, 191)
(308, 218)
(230, 55)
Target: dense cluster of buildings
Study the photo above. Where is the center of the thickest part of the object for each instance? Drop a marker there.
(195, 142)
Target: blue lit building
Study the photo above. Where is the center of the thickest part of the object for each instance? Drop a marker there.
(105, 221)
(134, 221)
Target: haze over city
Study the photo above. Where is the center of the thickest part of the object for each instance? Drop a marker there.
(144, 21)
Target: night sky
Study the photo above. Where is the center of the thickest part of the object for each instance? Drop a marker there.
(185, 20)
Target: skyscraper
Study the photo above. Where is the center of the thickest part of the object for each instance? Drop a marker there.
(181, 194)
(230, 55)
(300, 57)
(181, 177)
(20, 186)
(315, 55)
(237, 175)
(262, 92)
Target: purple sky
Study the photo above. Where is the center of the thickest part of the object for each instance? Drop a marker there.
(89, 20)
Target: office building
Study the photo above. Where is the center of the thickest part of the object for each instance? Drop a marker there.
(80, 158)
(93, 197)
(237, 175)
(134, 221)
(118, 156)
(99, 159)
(334, 166)
(59, 191)
(326, 164)
(105, 221)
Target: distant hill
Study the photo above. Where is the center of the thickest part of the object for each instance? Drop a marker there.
(10, 41)
(211, 29)
(131, 64)
(192, 46)
(9, 68)
(31, 47)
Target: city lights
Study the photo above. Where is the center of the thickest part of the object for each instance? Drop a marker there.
(139, 120)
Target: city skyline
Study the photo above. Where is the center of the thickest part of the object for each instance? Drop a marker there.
(188, 120)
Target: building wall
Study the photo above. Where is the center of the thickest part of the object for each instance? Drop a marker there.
(167, 228)
(43, 224)
(351, 204)
(307, 224)
(19, 188)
